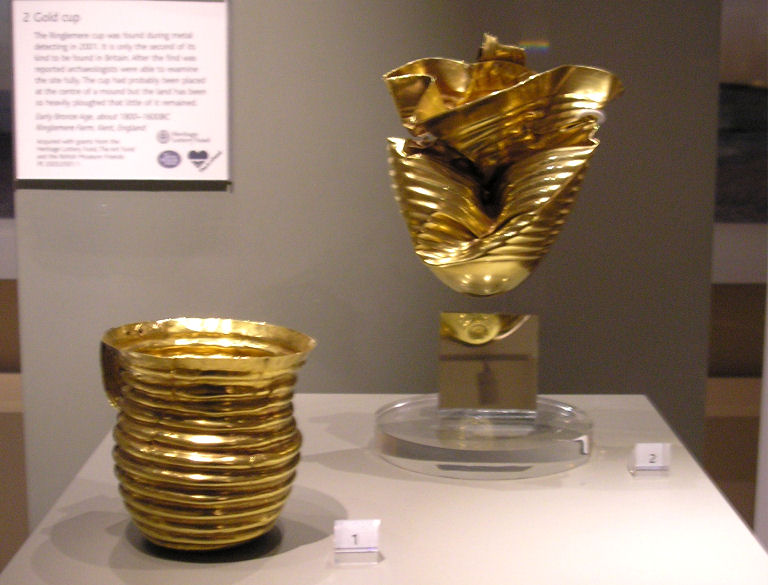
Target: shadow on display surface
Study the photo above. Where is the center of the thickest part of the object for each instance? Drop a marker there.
(306, 519)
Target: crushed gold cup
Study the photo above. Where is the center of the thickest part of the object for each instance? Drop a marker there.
(497, 155)
(206, 446)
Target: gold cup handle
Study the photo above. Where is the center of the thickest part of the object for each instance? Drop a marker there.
(110, 371)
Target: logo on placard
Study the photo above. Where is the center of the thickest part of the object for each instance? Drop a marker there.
(198, 157)
(163, 136)
(169, 159)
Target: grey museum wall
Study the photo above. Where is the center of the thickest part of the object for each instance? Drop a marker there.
(310, 237)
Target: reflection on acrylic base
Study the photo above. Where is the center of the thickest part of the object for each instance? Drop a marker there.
(414, 434)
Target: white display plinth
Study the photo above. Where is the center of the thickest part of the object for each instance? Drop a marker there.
(593, 525)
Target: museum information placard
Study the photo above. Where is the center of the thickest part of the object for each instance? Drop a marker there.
(120, 90)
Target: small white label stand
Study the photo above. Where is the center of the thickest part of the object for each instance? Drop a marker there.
(649, 457)
(356, 542)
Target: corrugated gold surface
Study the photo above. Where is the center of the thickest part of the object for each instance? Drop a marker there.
(498, 156)
(206, 445)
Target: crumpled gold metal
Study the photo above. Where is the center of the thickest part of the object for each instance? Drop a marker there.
(206, 445)
(498, 156)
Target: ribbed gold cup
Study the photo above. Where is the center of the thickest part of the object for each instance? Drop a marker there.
(206, 445)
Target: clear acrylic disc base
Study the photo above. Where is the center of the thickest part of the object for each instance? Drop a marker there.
(414, 434)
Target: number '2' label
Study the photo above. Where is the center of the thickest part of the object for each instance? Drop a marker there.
(651, 456)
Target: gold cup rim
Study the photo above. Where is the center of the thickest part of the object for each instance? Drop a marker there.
(252, 346)
(125, 337)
